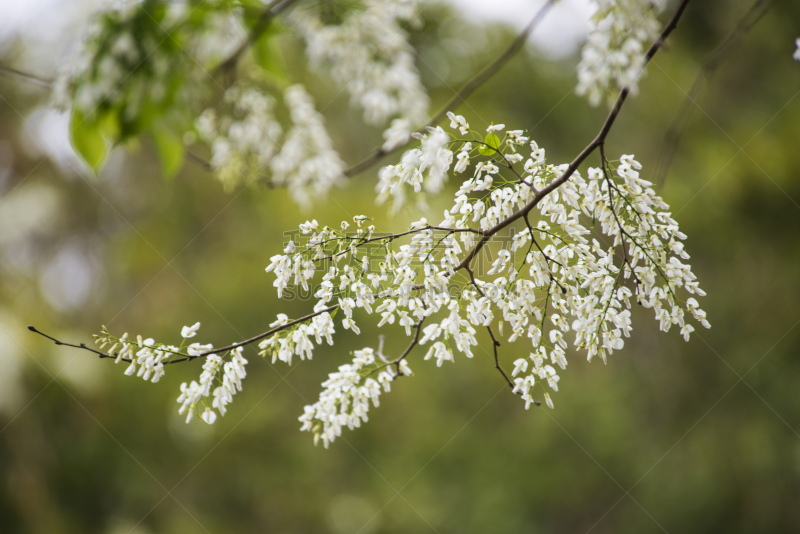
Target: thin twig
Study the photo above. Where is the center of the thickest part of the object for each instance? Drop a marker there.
(269, 332)
(623, 232)
(199, 160)
(392, 237)
(78, 346)
(258, 28)
(411, 345)
(547, 258)
(466, 90)
(495, 344)
(715, 59)
(34, 79)
(201, 355)
(396, 361)
(473, 281)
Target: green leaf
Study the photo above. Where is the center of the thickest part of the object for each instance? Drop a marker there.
(87, 140)
(268, 55)
(493, 141)
(108, 124)
(170, 151)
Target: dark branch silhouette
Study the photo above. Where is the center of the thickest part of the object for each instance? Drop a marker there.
(720, 54)
(33, 79)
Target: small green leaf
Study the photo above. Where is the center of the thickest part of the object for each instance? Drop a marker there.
(268, 55)
(493, 141)
(108, 124)
(170, 151)
(87, 140)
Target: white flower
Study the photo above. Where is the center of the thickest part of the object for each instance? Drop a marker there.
(196, 349)
(209, 416)
(190, 331)
(439, 351)
(349, 324)
(397, 134)
(406, 322)
(307, 162)
(282, 320)
(458, 121)
(309, 226)
(360, 219)
(463, 158)
(495, 127)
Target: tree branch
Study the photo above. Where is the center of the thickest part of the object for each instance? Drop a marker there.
(79, 346)
(258, 28)
(598, 141)
(186, 358)
(496, 344)
(715, 59)
(585, 153)
(269, 332)
(392, 237)
(414, 343)
(34, 79)
(466, 90)
(199, 160)
(601, 136)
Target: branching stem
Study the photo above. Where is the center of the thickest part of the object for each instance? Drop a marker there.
(261, 25)
(486, 235)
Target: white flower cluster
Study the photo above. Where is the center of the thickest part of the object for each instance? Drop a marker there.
(227, 374)
(224, 32)
(589, 249)
(297, 341)
(244, 140)
(424, 166)
(307, 162)
(145, 356)
(104, 60)
(247, 141)
(369, 54)
(553, 279)
(149, 357)
(128, 54)
(613, 57)
(347, 394)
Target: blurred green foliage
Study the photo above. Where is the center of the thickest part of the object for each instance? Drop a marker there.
(669, 436)
(140, 74)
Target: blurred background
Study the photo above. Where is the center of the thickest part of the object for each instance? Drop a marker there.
(668, 437)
